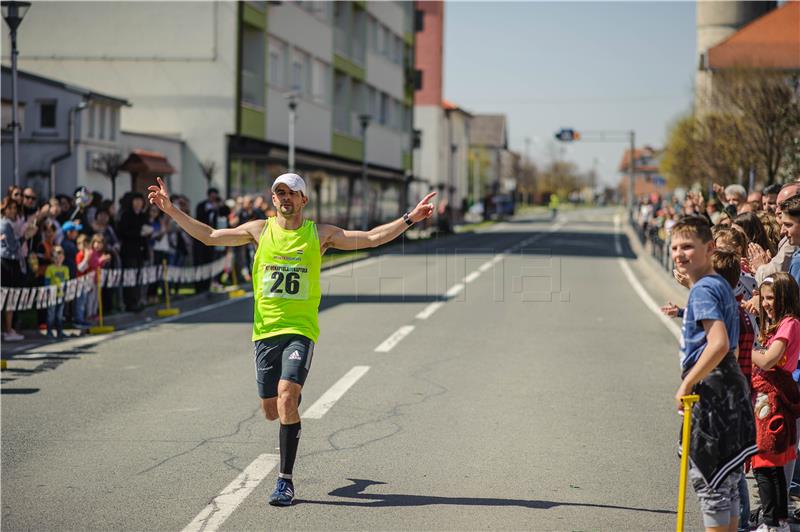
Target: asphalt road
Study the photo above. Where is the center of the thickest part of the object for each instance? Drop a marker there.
(538, 397)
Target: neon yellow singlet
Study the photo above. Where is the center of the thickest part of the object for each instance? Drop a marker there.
(286, 281)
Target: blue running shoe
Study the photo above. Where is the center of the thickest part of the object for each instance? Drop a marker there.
(283, 494)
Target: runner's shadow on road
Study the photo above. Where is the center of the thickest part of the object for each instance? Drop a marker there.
(384, 500)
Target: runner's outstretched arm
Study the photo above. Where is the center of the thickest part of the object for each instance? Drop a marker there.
(338, 238)
(234, 236)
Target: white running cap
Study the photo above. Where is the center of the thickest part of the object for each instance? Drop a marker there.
(293, 181)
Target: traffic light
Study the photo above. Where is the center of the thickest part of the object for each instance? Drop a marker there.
(567, 135)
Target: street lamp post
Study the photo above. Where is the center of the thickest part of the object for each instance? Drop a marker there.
(632, 171)
(365, 120)
(13, 12)
(292, 98)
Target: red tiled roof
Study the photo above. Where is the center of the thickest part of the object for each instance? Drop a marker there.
(771, 41)
(148, 162)
(644, 151)
(447, 104)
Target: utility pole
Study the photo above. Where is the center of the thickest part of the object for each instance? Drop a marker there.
(632, 170)
(476, 179)
(365, 120)
(13, 13)
(292, 98)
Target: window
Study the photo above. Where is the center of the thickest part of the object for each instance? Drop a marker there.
(7, 116)
(388, 42)
(321, 82)
(359, 103)
(373, 97)
(91, 120)
(342, 13)
(301, 72)
(277, 62)
(380, 40)
(112, 127)
(102, 134)
(372, 33)
(47, 114)
(398, 50)
(252, 73)
(383, 115)
(341, 104)
(358, 36)
(320, 10)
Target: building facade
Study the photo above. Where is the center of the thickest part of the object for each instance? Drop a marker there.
(219, 75)
(715, 22)
(442, 157)
(647, 178)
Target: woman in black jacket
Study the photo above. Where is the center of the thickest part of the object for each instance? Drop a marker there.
(133, 232)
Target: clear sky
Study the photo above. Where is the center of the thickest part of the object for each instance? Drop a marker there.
(585, 65)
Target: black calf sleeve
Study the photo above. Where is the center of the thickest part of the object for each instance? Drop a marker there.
(289, 441)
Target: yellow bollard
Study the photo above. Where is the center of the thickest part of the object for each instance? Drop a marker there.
(688, 402)
(168, 311)
(100, 329)
(236, 290)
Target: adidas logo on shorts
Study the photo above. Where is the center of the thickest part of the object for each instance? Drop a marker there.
(295, 356)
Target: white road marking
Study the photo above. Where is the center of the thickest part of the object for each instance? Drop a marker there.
(334, 393)
(223, 505)
(471, 277)
(454, 290)
(638, 288)
(394, 339)
(486, 266)
(429, 310)
(352, 265)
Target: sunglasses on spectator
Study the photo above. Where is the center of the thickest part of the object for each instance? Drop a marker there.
(29, 197)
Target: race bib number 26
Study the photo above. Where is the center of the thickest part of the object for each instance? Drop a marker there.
(288, 282)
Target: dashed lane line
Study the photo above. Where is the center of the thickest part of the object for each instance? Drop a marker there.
(334, 393)
(223, 505)
(429, 310)
(388, 344)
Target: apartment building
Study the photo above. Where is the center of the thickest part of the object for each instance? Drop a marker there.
(219, 75)
(442, 158)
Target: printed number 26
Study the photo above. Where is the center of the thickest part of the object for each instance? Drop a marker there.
(292, 283)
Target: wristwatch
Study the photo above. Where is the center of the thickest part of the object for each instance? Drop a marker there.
(407, 219)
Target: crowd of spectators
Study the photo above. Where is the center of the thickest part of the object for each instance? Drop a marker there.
(756, 237)
(87, 232)
(754, 212)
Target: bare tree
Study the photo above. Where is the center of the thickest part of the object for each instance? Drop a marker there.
(109, 164)
(209, 168)
(764, 107)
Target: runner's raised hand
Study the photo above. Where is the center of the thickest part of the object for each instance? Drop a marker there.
(159, 196)
(423, 210)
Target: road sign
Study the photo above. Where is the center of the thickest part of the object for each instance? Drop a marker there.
(567, 135)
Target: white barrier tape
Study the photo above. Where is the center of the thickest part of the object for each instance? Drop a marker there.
(40, 297)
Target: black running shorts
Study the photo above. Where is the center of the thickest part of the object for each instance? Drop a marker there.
(284, 357)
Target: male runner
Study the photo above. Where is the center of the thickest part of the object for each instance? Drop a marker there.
(286, 287)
